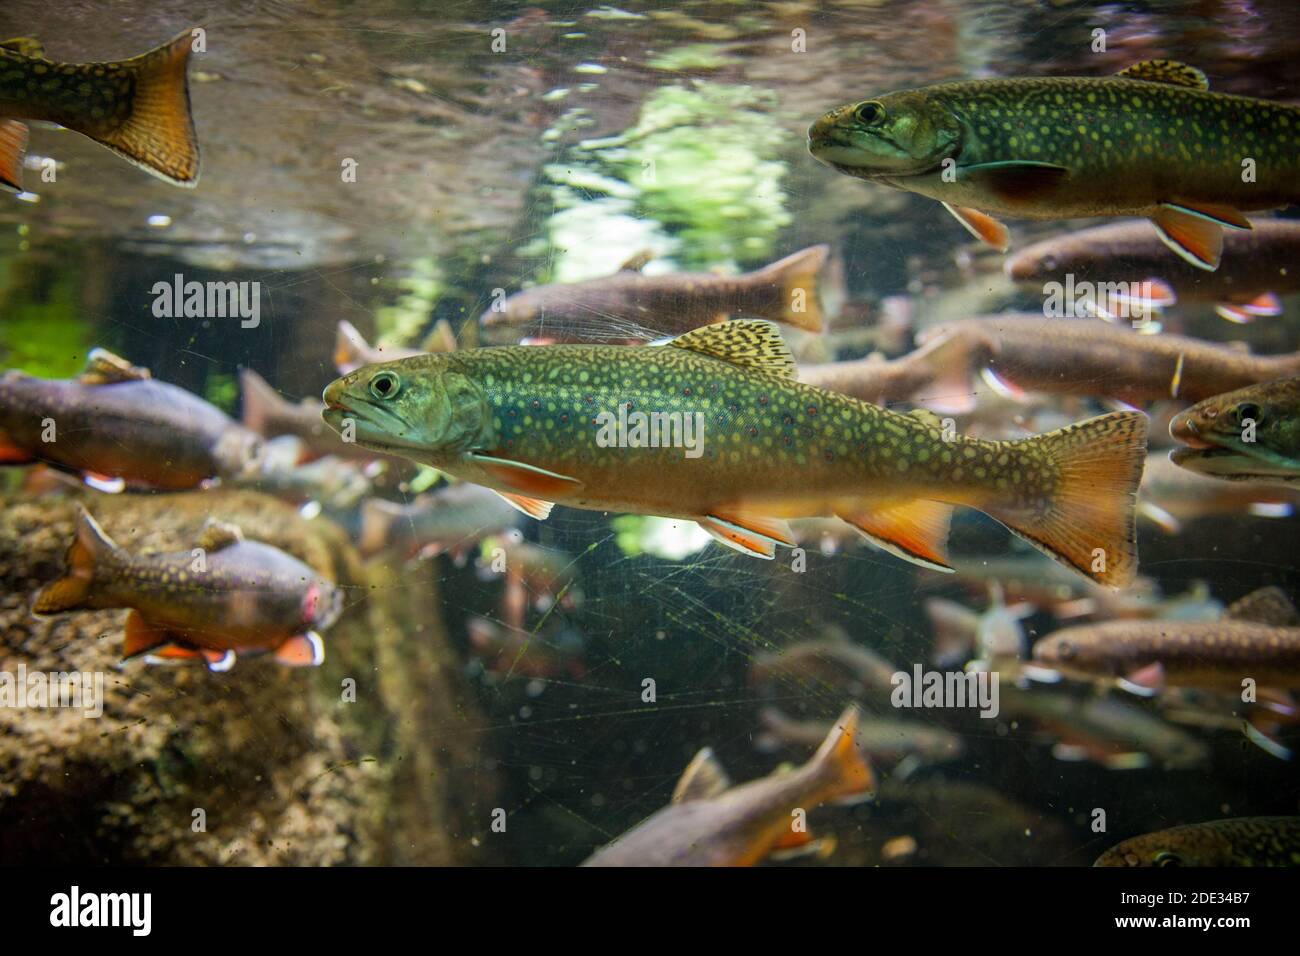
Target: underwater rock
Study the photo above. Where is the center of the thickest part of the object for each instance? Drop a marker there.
(285, 770)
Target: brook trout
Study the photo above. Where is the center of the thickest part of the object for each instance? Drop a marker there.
(1252, 434)
(627, 301)
(712, 823)
(1257, 265)
(1091, 358)
(1245, 841)
(114, 421)
(1258, 637)
(234, 597)
(753, 447)
(1151, 141)
(138, 108)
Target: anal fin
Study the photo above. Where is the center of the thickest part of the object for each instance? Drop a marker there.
(916, 531)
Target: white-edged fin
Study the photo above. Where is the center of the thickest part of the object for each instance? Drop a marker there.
(523, 479)
(703, 777)
(982, 226)
(738, 538)
(1264, 742)
(219, 663)
(110, 486)
(533, 507)
(304, 650)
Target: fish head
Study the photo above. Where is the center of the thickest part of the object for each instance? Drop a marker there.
(322, 603)
(899, 134)
(1252, 434)
(1181, 846)
(1072, 651)
(1038, 261)
(426, 408)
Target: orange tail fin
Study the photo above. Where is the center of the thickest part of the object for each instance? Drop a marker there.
(90, 547)
(159, 134)
(1089, 522)
(13, 147)
(797, 276)
(840, 761)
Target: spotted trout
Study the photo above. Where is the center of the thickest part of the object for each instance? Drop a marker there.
(712, 823)
(1096, 359)
(1244, 841)
(739, 446)
(1257, 637)
(1252, 434)
(629, 302)
(139, 108)
(1152, 141)
(225, 597)
(1257, 267)
(115, 422)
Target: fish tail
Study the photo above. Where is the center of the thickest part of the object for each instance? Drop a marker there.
(13, 148)
(796, 275)
(158, 136)
(89, 550)
(1089, 520)
(839, 762)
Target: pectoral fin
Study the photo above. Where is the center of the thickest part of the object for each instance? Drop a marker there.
(533, 507)
(703, 777)
(749, 534)
(982, 226)
(916, 531)
(1015, 180)
(524, 480)
(143, 637)
(1195, 233)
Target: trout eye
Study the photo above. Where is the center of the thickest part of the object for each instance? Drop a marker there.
(385, 385)
(1247, 410)
(1168, 858)
(869, 113)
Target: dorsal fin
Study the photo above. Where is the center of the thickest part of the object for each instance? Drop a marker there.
(637, 261)
(1268, 605)
(218, 534)
(927, 417)
(103, 367)
(702, 778)
(440, 339)
(27, 46)
(1166, 71)
(749, 344)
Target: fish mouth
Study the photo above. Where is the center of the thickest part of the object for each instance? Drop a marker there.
(1183, 429)
(373, 427)
(1235, 465)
